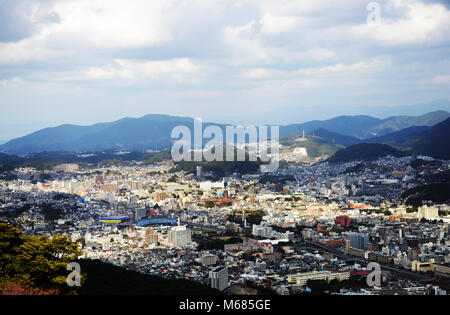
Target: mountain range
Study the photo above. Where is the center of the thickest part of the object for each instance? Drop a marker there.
(421, 140)
(365, 127)
(424, 134)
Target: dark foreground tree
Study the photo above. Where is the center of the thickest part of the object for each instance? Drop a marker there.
(36, 262)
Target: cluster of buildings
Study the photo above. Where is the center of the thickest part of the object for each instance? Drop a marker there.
(319, 222)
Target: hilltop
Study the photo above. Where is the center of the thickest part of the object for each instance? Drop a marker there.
(365, 151)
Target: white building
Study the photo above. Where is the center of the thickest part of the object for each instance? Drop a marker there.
(263, 231)
(428, 213)
(179, 236)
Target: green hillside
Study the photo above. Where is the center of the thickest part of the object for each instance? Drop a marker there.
(365, 151)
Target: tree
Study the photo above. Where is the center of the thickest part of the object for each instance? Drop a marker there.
(38, 262)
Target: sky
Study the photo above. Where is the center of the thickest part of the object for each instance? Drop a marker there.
(89, 61)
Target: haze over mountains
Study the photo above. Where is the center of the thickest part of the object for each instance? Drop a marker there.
(299, 114)
(153, 132)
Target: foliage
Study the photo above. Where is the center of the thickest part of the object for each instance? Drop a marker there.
(219, 168)
(173, 179)
(37, 262)
(436, 188)
(252, 216)
(322, 287)
(214, 243)
(11, 288)
(365, 151)
(48, 160)
(276, 179)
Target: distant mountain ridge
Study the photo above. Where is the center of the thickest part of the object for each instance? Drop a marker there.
(431, 141)
(396, 138)
(152, 132)
(365, 127)
(135, 134)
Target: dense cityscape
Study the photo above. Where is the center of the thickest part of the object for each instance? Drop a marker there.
(280, 233)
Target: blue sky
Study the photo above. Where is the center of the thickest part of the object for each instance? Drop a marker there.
(87, 61)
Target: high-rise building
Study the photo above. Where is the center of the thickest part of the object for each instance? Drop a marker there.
(358, 240)
(179, 236)
(219, 278)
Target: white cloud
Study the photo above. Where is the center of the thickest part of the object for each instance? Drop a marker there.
(30, 49)
(257, 73)
(111, 24)
(442, 79)
(132, 69)
(13, 82)
(305, 84)
(272, 24)
(224, 51)
(374, 64)
(419, 23)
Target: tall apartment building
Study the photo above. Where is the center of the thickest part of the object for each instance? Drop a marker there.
(179, 236)
(219, 278)
(358, 240)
